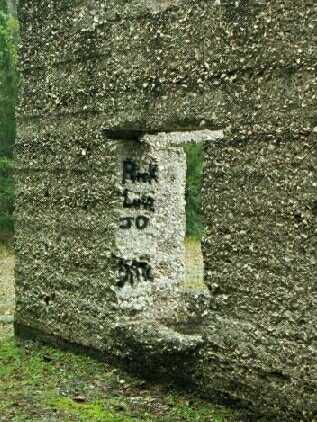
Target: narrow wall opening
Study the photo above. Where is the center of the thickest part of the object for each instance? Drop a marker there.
(194, 263)
(160, 263)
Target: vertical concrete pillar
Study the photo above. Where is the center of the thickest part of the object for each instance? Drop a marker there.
(150, 255)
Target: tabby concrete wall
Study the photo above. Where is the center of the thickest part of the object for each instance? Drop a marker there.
(64, 231)
(164, 65)
(260, 211)
(260, 266)
(92, 69)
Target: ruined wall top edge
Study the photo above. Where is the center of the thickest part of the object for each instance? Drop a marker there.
(162, 65)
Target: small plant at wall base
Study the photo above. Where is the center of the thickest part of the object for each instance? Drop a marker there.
(194, 224)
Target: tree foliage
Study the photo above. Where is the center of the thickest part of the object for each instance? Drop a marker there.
(8, 90)
(6, 198)
(194, 224)
(8, 82)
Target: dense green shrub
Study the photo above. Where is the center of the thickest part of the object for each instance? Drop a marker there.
(194, 224)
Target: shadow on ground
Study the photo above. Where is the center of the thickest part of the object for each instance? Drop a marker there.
(40, 383)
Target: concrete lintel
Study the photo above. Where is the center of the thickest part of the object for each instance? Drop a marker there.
(181, 138)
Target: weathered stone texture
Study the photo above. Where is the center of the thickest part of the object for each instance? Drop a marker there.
(247, 67)
(65, 190)
(260, 267)
(192, 62)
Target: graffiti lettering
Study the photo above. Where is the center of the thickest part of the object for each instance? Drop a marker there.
(134, 270)
(131, 271)
(141, 222)
(143, 201)
(131, 171)
(126, 222)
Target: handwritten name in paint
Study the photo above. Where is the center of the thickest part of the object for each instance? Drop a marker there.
(141, 222)
(133, 173)
(132, 271)
(138, 201)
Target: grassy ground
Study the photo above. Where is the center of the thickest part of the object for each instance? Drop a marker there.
(39, 383)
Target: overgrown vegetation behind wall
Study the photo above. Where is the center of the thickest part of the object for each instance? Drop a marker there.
(194, 225)
(8, 82)
(6, 198)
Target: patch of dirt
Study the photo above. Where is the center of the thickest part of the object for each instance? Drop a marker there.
(194, 265)
(7, 263)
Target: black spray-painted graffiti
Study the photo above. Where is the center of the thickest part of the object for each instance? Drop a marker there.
(137, 200)
(143, 201)
(134, 270)
(141, 222)
(131, 271)
(131, 171)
